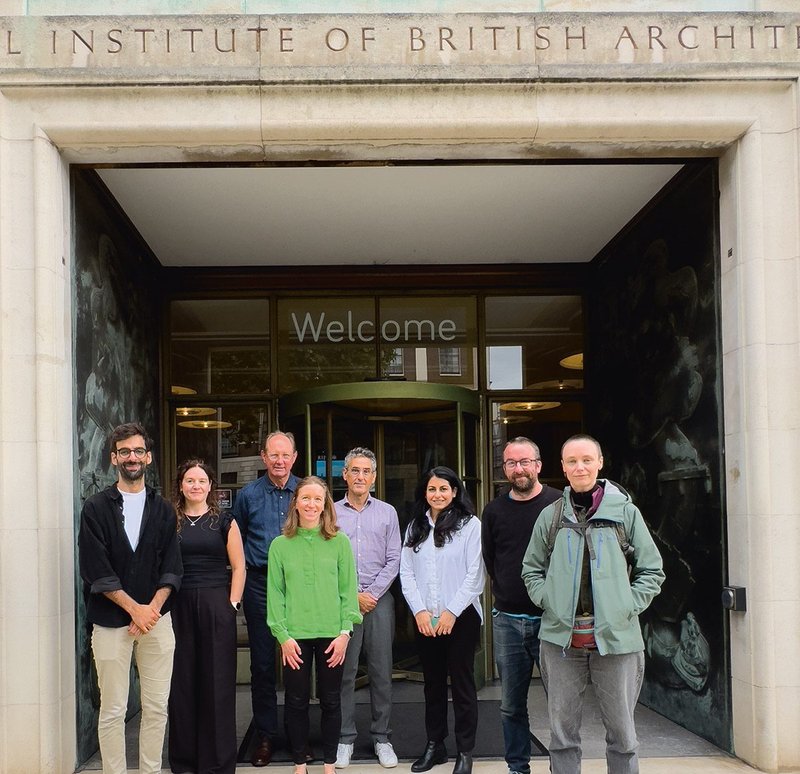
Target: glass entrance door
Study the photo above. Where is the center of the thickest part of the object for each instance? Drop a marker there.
(411, 427)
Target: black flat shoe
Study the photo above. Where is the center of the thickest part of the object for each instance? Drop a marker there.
(463, 764)
(435, 752)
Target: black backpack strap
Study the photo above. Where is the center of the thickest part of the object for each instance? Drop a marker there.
(624, 543)
(622, 536)
(558, 522)
(555, 525)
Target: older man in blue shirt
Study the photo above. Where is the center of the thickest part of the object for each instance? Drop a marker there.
(260, 510)
(374, 533)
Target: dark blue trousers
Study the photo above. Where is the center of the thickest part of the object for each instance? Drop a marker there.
(262, 654)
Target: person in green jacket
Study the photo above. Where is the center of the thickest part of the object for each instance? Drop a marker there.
(590, 626)
(312, 606)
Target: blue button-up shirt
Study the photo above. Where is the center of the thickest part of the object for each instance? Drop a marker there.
(260, 511)
(374, 533)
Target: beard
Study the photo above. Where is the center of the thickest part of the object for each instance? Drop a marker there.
(132, 475)
(523, 484)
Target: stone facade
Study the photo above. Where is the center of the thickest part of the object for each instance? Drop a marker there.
(99, 90)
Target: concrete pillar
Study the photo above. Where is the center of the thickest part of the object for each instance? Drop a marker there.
(761, 364)
(37, 712)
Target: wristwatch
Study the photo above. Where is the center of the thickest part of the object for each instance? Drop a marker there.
(347, 632)
(236, 606)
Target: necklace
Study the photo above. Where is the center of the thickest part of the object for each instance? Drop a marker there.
(197, 518)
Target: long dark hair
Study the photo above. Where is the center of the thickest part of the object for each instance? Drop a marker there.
(449, 521)
(179, 501)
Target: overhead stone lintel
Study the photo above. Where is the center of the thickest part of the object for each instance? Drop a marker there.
(396, 47)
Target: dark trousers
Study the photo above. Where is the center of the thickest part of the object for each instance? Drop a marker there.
(452, 656)
(297, 683)
(202, 701)
(262, 654)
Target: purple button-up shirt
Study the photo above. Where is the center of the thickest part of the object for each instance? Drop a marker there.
(374, 533)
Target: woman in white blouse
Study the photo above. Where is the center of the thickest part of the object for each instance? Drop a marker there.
(442, 574)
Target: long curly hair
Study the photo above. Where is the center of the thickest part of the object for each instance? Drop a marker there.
(328, 526)
(449, 521)
(179, 501)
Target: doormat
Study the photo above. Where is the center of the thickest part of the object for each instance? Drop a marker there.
(408, 737)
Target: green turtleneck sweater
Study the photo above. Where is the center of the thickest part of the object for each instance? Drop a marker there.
(311, 586)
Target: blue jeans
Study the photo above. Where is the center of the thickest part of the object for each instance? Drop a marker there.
(516, 650)
(262, 654)
(617, 681)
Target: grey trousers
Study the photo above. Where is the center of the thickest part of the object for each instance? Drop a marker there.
(375, 636)
(617, 681)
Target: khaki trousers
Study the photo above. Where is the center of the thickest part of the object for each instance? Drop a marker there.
(112, 649)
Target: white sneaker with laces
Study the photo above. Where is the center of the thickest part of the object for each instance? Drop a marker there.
(343, 754)
(386, 754)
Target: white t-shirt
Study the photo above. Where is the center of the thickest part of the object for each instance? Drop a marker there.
(132, 510)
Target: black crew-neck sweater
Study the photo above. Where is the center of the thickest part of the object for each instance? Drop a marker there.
(506, 532)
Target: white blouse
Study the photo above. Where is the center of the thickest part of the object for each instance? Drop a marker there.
(447, 578)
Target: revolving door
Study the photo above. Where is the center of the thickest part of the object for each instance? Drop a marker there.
(411, 427)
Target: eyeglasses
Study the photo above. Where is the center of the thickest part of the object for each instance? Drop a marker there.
(124, 452)
(360, 471)
(526, 463)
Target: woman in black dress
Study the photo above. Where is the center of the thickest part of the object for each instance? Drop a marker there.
(202, 701)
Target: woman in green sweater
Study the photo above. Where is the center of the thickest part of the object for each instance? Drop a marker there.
(312, 604)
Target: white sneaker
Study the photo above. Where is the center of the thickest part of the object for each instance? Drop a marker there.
(343, 754)
(386, 754)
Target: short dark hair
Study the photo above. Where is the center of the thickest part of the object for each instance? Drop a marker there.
(582, 437)
(128, 430)
(526, 441)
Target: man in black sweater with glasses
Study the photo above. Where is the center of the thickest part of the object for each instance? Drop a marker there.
(507, 525)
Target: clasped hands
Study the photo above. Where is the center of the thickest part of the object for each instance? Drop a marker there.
(143, 619)
(444, 625)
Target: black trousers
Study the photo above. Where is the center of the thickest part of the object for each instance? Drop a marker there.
(202, 700)
(452, 656)
(297, 683)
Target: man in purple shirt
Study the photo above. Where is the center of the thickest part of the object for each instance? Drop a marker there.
(374, 533)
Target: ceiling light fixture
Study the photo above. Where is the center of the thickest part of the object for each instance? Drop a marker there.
(195, 411)
(176, 389)
(530, 405)
(557, 384)
(205, 424)
(573, 362)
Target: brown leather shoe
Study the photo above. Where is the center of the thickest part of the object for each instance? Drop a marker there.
(263, 754)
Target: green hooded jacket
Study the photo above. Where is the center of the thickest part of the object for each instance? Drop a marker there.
(553, 581)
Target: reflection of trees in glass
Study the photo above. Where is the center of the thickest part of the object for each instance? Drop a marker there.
(239, 370)
(308, 365)
(189, 365)
(220, 370)
(248, 428)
